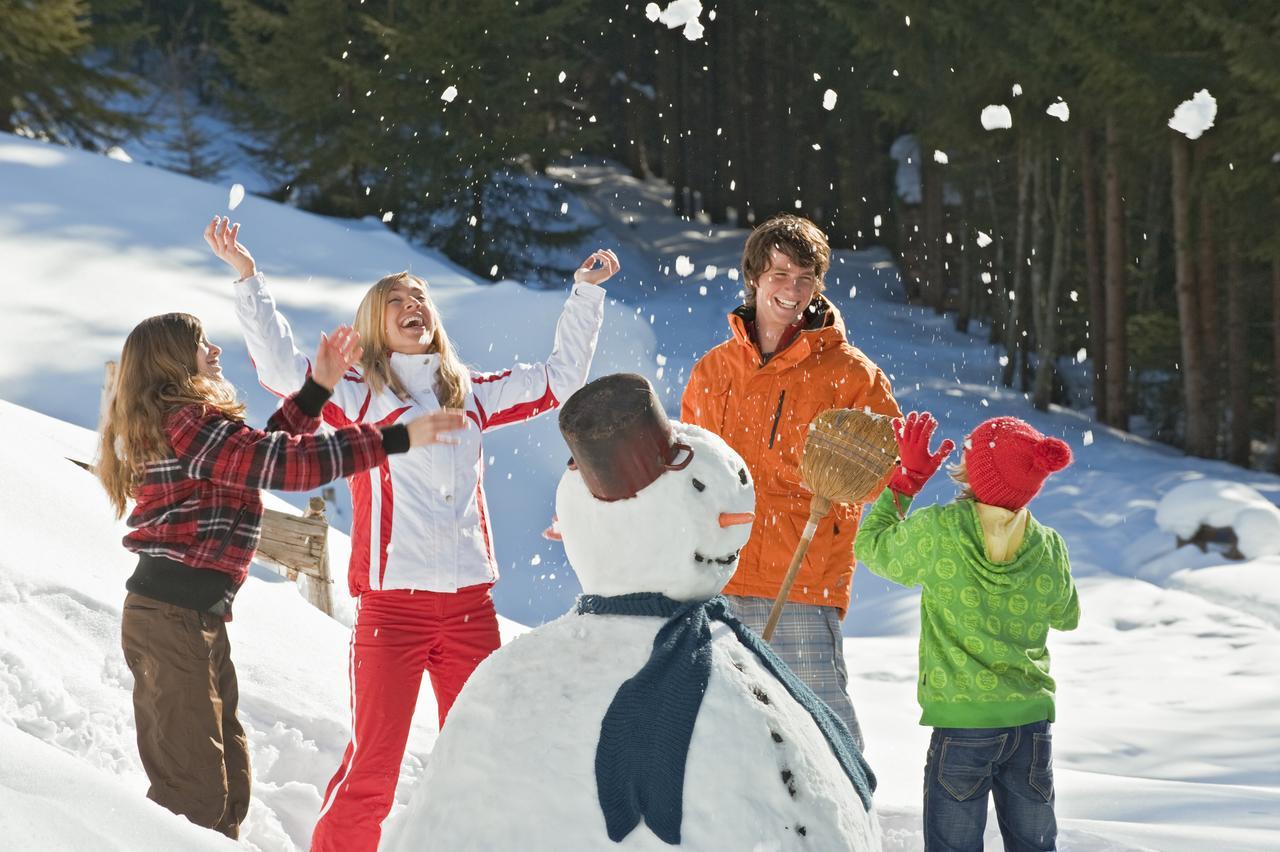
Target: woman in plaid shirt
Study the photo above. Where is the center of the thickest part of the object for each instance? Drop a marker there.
(174, 440)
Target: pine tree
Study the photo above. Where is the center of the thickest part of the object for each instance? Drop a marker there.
(59, 69)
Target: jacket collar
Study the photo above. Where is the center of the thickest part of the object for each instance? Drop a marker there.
(823, 327)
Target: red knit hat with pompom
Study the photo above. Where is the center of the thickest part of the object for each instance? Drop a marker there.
(1007, 461)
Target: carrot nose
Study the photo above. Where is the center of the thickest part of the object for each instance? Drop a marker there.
(729, 519)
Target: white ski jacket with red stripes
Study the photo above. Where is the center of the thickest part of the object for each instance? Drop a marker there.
(420, 520)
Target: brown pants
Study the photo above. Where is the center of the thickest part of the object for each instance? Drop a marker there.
(184, 702)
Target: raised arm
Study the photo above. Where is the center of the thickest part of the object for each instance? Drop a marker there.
(281, 366)
(527, 390)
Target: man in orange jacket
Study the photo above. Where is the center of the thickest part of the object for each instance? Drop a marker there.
(788, 361)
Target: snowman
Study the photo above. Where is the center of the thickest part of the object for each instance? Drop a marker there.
(647, 716)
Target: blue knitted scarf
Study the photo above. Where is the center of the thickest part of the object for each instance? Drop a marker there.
(644, 738)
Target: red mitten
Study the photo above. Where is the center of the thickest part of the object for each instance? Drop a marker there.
(915, 463)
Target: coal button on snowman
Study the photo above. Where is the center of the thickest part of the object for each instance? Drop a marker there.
(647, 716)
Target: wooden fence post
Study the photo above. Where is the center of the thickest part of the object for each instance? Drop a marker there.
(320, 587)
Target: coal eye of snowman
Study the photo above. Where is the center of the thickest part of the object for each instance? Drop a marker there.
(697, 483)
(742, 475)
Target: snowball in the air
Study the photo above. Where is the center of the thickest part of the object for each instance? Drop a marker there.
(1017, 89)
(684, 266)
(940, 157)
(562, 76)
(679, 13)
(449, 94)
(388, 216)
(1059, 110)
(829, 99)
(115, 152)
(984, 239)
(1192, 118)
(1088, 438)
(1081, 355)
(236, 196)
(996, 117)
(711, 271)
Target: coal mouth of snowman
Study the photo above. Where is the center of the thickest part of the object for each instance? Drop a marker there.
(723, 560)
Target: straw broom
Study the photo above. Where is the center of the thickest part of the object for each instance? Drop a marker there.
(846, 454)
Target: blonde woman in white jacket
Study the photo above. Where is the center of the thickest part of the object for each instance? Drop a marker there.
(422, 561)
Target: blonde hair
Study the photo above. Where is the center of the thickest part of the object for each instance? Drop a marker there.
(157, 374)
(959, 474)
(797, 238)
(453, 381)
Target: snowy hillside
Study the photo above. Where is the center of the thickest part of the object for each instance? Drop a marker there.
(91, 246)
(1167, 736)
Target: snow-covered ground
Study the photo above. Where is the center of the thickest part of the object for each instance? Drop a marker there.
(1168, 735)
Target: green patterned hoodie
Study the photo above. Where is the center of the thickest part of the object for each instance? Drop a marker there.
(983, 624)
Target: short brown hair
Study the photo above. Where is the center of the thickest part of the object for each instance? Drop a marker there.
(794, 236)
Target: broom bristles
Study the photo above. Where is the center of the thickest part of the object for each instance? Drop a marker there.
(847, 453)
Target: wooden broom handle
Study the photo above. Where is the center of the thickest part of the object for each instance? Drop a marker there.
(818, 509)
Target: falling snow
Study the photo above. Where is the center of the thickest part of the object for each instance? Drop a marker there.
(1193, 117)
(996, 117)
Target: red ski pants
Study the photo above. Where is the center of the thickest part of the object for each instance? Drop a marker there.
(397, 635)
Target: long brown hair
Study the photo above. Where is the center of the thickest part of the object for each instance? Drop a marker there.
(453, 382)
(157, 374)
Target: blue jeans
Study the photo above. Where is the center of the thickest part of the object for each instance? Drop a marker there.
(1015, 764)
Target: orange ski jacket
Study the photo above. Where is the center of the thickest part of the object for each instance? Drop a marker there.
(763, 409)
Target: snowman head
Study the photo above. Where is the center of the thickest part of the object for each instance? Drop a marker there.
(679, 535)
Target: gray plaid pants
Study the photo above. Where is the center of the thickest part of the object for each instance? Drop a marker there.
(808, 640)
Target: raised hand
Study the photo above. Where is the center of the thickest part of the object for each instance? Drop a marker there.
(336, 353)
(598, 268)
(435, 428)
(221, 235)
(915, 463)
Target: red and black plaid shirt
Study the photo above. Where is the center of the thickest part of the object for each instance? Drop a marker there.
(201, 505)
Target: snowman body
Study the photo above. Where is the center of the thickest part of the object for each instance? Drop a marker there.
(514, 767)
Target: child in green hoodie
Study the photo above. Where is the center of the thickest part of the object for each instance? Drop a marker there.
(994, 581)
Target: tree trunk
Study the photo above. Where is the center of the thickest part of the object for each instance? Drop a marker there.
(1117, 366)
(1196, 440)
(1097, 337)
(1034, 305)
(1237, 357)
(1017, 291)
(999, 304)
(1047, 333)
(1275, 346)
(1206, 289)
(1153, 234)
(933, 285)
(964, 308)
